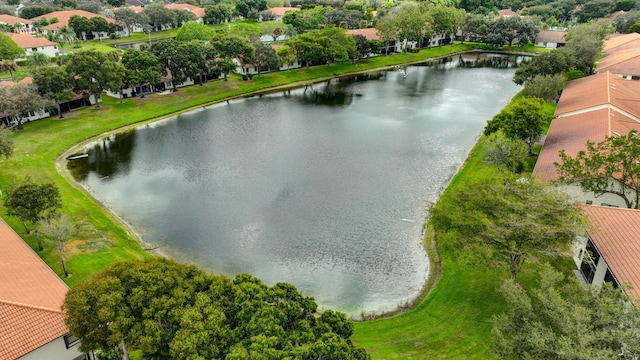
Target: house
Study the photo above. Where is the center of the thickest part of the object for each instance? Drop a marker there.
(551, 39)
(506, 13)
(31, 44)
(611, 251)
(278, 12)
(372, 34)
(20, 25)
(620, 42)
(197, 11)
(63, 21)
(32, 116)
(591, 108)
(623, 63)
(31, 296)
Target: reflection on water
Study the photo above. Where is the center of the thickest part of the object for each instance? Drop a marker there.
(324, 187)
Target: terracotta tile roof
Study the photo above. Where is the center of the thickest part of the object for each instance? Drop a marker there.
(551, 36)
(616, 234)
(280, 11)
(617, 40)
(31, 296)
(604, 89)
(195, 10)
(369, 33)
(137, 9)
(25, 329)
(8, 19)
(623, 62)
(27, 41)
(64, 16)
(591, 108)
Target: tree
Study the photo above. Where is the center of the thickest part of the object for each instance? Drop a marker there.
(130, 19)
(20, 100)
(81, 25)
(585, 42)
(286, 56)
(551, 63)
(635, 27)
(95, 72)
(115, 3)
(141, 67)
(30, 12)
(348, 18)
(9, 50)
(273, 28)
(37, 59)
(158, 15)
(234, 47)
(54, 83)
(33, 202)
(505, 30)
(66, 35)
(562, 319)
(624, 22)
(546, 87)
(225, 66)
(505, 152)
(608, 167)
(60, 229)
(194, 31)
(6, 144)
(362, 45)
(595, 9)
(250, 8)
(181, 17)
(523, 119)
(265, 56)
(306, 19)
(175, 58)
(169, 310)
(216, 14)
(8, 66)
(508, 220)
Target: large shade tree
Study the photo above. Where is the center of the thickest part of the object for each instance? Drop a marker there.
(21, 100)
(508, 220)
(54, 83)
(6, 144)
(174, 311)
(608, 167)
(95, 72)
(33, 202)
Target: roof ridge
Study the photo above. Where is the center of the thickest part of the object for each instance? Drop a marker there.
(35, 307)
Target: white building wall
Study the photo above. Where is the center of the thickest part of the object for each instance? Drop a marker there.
(50, 51)
(55, 350)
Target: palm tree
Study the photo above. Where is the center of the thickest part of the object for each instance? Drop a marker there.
(37, 59)
(66, 35)
(8, 66)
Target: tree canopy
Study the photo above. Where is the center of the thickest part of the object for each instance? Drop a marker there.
(509, 220)
(33, 202)
(563, 319)
(194, 31)
(174, 311)
(523, 119)
(608, 167)
(6, 144)
(54, 83)
(95, 72)
(9, 50)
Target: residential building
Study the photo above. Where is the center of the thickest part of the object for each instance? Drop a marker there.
(611, 250)
(31, 296)
(31, 44)
(278, 12)
(7, 120)
(63, 21)
(197, 11)
(551, 39)
(591, 108)
(619, 42)
(20, 25)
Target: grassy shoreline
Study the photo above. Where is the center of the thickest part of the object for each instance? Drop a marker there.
(40, 153)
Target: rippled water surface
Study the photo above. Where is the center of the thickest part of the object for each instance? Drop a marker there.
(323, 187)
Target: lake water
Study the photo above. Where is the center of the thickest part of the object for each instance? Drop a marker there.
(324, 187)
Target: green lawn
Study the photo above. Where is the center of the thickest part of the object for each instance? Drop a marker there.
(452, 322)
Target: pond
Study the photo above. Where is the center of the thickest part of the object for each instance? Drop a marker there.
(325, 187)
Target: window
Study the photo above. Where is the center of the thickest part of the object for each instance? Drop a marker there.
(70, 340)
(590, 258)
(34, 49)
(608, 277)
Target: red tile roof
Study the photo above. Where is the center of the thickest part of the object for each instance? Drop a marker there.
(27, 41)
(617, 41)
(8, 19)
(280, 11)
(616, 234)
(64, 16)
(137, 9)
(623, 62)
(195, 10)
(369, 33)
(590, 108)
(31, 296)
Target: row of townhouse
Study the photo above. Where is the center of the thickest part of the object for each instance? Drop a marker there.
(31, 296)
(591, 109)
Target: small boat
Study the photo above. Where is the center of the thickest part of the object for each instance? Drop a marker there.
(77, 157)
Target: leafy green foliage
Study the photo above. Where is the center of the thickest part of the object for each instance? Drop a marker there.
(585, 42)
(508, 220)
(55, 83)
(523, 119)
(95, 72)
(595, 9)
(551, 63)
(562, 319)
(328, 45)
(609, 166)
(506, 30)
(546, 87)
(30, 12)
(130, 18)
(141, 67)
(216, 14)
(194, 31)
(250, 8)
(174, 311)
(505, 152)
(9, 50)
(20, 100)
(6, 144)
(33, 202)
